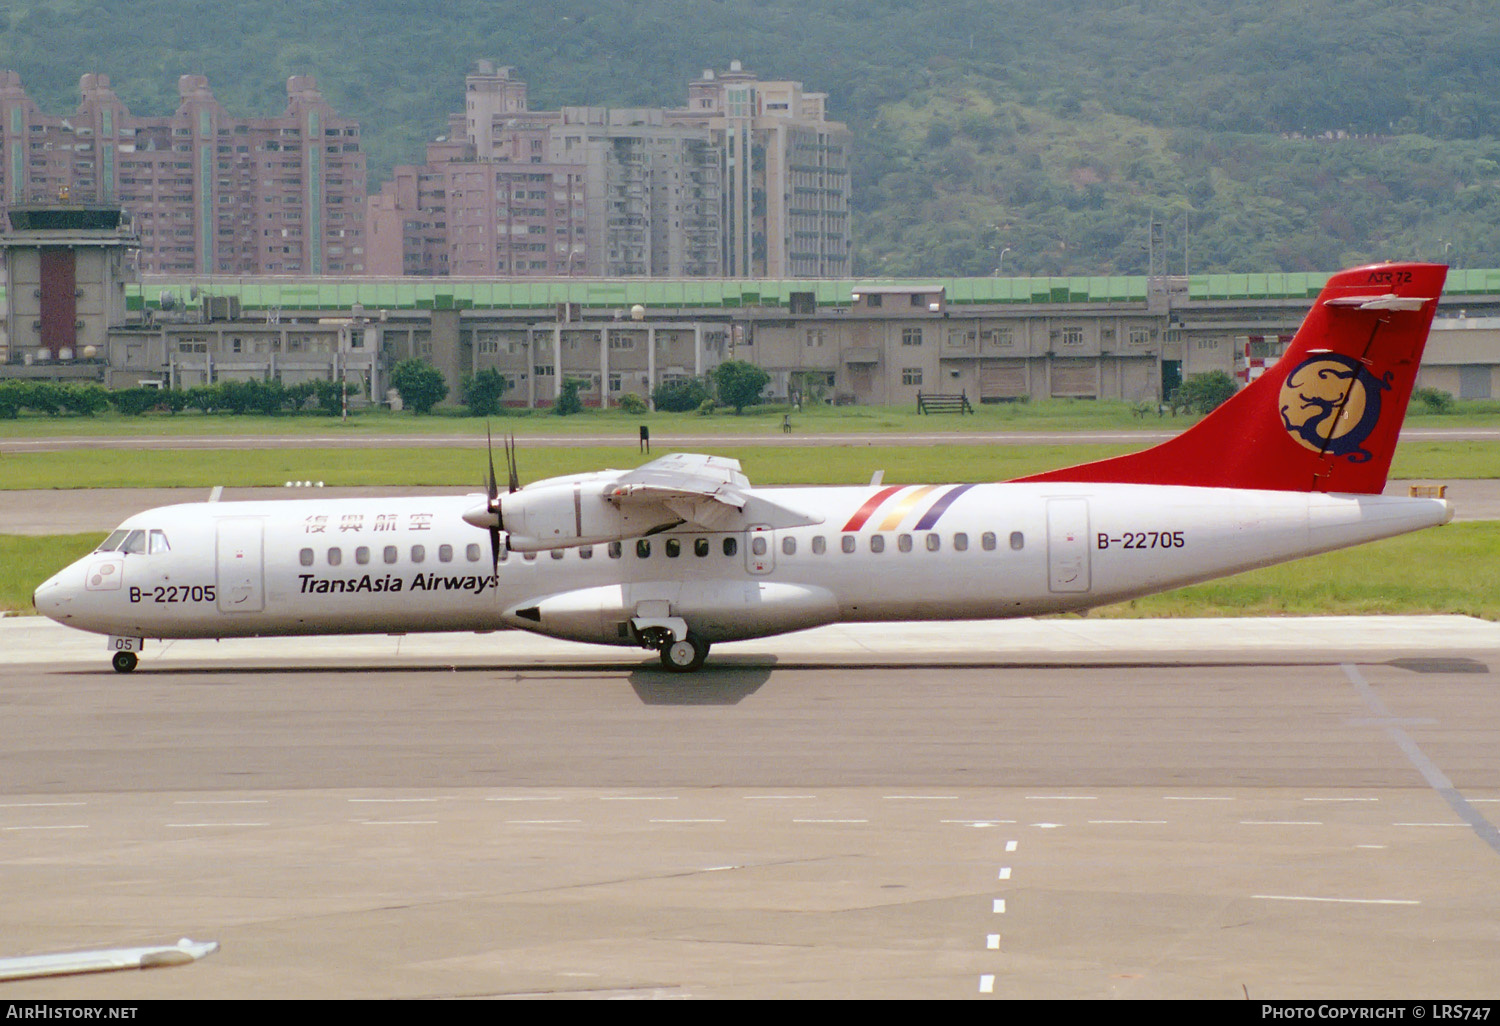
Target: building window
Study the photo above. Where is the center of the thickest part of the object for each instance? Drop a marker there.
(911, 336)
(911, 375)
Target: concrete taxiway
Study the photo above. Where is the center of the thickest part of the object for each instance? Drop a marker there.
(1297, 808)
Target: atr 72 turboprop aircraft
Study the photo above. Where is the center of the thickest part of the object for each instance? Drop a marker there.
(683, 553)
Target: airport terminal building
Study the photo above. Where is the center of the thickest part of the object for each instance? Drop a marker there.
(843, 341)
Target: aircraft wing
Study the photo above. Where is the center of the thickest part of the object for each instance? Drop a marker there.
(707, 491)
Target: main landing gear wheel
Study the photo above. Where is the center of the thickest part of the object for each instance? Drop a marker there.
(686, 655)
(124, 662)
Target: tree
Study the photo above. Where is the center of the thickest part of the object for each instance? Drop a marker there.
(567, 400)
(680, 395)
(1203, 393)
(420, 385)
(739, 383)
(330, 395)
(482, 392)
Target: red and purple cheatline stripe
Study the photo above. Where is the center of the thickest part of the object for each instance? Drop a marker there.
(928, 520)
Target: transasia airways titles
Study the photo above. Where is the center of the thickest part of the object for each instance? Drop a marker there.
(683, 553)
(312, 584)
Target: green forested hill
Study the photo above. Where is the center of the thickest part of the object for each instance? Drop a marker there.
(1056, 129)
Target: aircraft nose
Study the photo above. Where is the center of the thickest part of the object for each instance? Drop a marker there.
(53, 597)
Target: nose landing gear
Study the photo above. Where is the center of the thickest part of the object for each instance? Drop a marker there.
(123, 662)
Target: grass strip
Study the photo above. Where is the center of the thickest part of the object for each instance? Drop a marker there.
(464, 467)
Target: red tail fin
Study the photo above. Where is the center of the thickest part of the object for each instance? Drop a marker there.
(1326, 416)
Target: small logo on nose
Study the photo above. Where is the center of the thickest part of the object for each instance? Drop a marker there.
(105, 575)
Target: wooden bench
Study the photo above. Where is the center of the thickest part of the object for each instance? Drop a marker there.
(933, 403)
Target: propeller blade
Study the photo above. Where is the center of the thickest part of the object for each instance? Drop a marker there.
(493, 492)
(492, 501)
(515, 474)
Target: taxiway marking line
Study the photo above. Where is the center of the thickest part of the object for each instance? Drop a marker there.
(1336, 901)
(1436, 779)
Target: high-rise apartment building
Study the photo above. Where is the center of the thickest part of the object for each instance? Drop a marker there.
(749, 179)
(209, 193)
(786, 175)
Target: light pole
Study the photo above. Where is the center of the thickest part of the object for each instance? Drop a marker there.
(999, 264)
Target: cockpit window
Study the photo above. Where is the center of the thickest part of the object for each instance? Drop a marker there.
(159, 542)
(134, 542)
(112, 542)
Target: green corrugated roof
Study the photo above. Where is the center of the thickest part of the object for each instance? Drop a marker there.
(427, 293)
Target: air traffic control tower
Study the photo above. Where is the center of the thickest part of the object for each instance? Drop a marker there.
(66, 268)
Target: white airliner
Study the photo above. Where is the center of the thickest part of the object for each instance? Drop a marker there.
(682, 553)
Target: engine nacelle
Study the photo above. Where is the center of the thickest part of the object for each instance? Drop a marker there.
(570, 513)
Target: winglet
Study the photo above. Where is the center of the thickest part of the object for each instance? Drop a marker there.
(1326, 417)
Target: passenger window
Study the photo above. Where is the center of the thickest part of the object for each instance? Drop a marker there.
(819, 545)
(135, 541)
(903, 542)
(877, 543)
(987, 541)
(305, 557)
(445, 553)
(530, 557)
(933, 543)
(1017, 540)
(960, 542)
(643, 549)
(418, 553)
(700, 547)
(848, 543)
(730, 546)
(615, 549)
(557, 553)
(674, 548)
(789, 546)
(335, 557)
(108, 544)
(586, 552)
(362, 555)
(159, 543)
(389, 554)
(758, 545)
(472, 553)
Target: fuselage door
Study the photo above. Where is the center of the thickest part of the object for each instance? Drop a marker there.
(1068, 545)
(240, 565)
(760, 549)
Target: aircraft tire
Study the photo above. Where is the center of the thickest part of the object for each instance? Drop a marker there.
(124, 662)
(686, 655)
